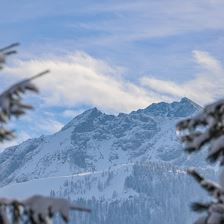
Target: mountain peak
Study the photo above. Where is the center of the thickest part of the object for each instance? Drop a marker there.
(90, 114)
(185, 107)
(185, 99)
(189, 101)
(96, 141)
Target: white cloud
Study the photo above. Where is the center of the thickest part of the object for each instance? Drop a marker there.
(143, 19)
(81, 79)
(205, 87)
(49, 125)
(208, 62)
(126, 20)
(42, 122)
(71, 113)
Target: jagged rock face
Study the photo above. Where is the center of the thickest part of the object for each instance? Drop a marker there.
(184, 108)
(128, 168)
(96, 141)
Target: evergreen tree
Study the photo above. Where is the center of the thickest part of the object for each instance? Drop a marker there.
(206, 131)
(36, 209)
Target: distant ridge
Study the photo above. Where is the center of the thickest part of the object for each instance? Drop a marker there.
(183, 108)
(116, 165)
(94, 141)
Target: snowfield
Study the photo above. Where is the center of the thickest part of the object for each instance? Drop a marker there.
(128, 168)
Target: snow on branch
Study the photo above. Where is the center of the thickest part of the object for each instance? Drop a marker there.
(11, 102)
(214, 209)
(206, 128)
(6, 51)
(215, 213)
(211, 187)
(35, 210)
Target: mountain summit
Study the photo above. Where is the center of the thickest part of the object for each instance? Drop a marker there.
(112, 164)
(95, 141)
(184, 108)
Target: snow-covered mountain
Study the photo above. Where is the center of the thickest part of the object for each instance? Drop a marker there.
(131, 165)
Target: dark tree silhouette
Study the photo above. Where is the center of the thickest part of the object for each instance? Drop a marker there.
(206, 131)
(36, 209)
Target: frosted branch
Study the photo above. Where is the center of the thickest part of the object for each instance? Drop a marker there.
(36, 210)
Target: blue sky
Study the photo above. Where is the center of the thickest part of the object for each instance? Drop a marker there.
(115, 55)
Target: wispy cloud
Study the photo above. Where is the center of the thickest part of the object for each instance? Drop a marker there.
(139, 20)
(205, 87)
(68, 113)
(82, 79)
(49, 125)
(122, 21)
(146, 37)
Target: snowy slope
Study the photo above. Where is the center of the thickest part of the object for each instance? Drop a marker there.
(145, 192)
(110, 179)
(96, 141)
(128, 168)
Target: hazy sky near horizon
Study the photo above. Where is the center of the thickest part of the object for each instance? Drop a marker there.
(115, 55)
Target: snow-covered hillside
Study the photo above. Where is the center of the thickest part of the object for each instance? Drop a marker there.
(131, 165)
